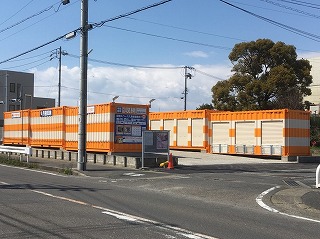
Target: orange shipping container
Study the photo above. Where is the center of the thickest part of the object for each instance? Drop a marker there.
(111, 127)
(188, 129)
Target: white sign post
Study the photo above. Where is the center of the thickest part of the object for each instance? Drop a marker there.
(318, 177)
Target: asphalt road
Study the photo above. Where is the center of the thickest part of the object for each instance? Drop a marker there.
(190, 202)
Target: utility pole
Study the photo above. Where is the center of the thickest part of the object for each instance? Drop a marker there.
(82, 139)
(185, 92)
(59, 84)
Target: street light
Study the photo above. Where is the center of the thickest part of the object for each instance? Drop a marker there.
(150, 101)
(114, 98)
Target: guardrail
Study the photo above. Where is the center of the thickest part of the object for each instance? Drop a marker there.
(318, 177)
(19, 150)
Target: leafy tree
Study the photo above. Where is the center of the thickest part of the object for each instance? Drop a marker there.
(205, 107)
(267, 75)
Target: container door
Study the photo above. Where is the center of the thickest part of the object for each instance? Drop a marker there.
(220, 133)
(272, 133)
(245, 133)
(182, 132)
(169, 125)
(220, 137)
(155, 124)
(197, 133)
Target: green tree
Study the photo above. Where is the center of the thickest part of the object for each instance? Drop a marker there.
(205, 107)
(267, 75)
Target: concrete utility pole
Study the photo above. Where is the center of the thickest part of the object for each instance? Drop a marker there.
(59, 84)
(82, 139)
(186, 77)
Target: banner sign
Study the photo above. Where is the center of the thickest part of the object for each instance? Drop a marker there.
(129, 125)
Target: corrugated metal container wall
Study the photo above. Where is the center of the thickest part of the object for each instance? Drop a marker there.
(111, 127)
(270, 132)
(71, 128)
(47, 127)
(14, 122)
(188, 129)
(297, 133)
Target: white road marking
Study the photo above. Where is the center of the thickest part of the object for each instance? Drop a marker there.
(132, 218)
(127, 217)
(134, 174)
(121, 217)
(263, 205)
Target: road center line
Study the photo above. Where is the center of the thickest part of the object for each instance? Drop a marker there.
(263, 205)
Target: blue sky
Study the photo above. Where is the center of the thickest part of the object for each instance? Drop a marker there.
(179, 33)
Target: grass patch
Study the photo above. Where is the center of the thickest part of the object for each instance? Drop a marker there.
(315, 150)
(16, 162)
(67, 171)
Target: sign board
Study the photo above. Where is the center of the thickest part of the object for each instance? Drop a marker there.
(129, 125)
(155, 141)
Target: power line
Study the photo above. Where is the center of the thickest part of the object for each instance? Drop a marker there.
(186, 29)
(100, 24)
(32, 16)
(302, 3)
(28, 63)
(291, 8)
(27, 58)
(36, 48)
(93, 25)
(171, 38)
(16, 12)
(127, 65)
(283, 26)
(147, 67)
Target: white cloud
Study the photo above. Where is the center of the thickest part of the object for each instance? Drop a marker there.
(197, 54)
(132, 85)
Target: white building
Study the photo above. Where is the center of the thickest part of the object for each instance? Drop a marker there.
(315, 86)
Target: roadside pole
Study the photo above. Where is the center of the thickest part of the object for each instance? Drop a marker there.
(82, 159)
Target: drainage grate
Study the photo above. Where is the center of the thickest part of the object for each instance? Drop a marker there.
(291, 183)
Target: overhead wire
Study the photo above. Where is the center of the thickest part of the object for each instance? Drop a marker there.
(171, 38)
(16, 12)
(32, 16)
(302, 3)
(100, 24)
(33, 23)
(12, 67)
(292, 9)
(94, 25)
(185, 29)
(147, 67)
(125, 65)
(305, 34)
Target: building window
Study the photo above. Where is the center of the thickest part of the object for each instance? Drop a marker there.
(11, 107)
(12, 87)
